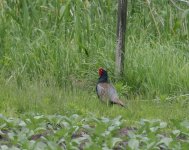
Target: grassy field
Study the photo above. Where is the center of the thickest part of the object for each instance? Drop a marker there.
(50, 52)
(37, 97)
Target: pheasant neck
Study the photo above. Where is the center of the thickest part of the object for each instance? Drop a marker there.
(103, 78)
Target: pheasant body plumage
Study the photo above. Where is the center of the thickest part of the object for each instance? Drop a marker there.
(105, 91)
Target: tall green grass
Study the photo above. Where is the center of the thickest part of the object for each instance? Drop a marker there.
(50, 51)
(64, 43)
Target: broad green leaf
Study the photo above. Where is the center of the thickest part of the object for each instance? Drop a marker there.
(65, 124)
(165, 141)
(185, 124)
(11, 135)
(163, 124)
(115, 141)
(116, 121)
(151, 145)
(176, 132)
(2, 117)
(22, 123)
(3, 125)
(62, 140)
(51, 145)
(1, 133)
(111, 128)
(154, 129)
(4, 147)
(105, 120)
(39, 117)
(86, 127)
(133, 144)
(40, 146)
(106, 133)
(131, 135)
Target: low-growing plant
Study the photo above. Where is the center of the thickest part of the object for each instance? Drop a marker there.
(78, 132)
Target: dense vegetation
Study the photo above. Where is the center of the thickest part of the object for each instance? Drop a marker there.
(50, 51)
(73, 132)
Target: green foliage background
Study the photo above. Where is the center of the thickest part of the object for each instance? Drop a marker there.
(50, 51)
(65, 41)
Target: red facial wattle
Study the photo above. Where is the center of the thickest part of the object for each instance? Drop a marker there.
(100, 71)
